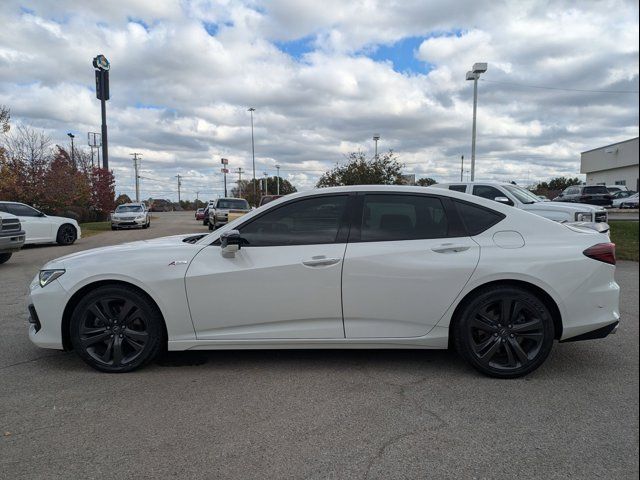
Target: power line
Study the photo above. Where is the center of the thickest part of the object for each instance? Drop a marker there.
(584, 90)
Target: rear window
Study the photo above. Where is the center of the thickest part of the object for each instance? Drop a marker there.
(477, 219)
(458, 188)
(233, 204)
(597, 190)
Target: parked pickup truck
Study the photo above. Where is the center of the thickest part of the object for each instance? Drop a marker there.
(224, 210)
(523, 199)
(11, 236)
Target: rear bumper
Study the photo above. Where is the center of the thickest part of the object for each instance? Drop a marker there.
(595, 334)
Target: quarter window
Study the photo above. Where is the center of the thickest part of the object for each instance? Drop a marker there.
(305, 222)
(477, 219)
(402, 217)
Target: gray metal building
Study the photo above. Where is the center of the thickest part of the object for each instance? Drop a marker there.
(615, 164)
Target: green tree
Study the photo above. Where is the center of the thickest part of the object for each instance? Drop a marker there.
(381, 170)
(426, 182)
(122, 199)
(244, 189)
(561, 183)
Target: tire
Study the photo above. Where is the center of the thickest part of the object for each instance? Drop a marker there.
(211, 226)
(504, 332)
(67, 235)
(4, 257)
(114, 228)
(98, 337)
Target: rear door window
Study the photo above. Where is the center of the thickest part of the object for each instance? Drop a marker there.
(596, 190)
(458, 188)
(402, 217)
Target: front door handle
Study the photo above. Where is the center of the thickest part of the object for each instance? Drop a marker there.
(450, 248)
(320, 261)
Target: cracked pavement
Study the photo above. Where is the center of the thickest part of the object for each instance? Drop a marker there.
(366, 414)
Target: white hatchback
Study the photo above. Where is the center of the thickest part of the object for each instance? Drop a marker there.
(41, 228)
(348, 267)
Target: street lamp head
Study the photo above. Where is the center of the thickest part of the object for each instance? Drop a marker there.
(71, 135)
(479, 67)
(376, 136)
(472, 76)
(251, 109)
(278, 166)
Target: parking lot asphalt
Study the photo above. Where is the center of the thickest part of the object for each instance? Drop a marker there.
(310, 414)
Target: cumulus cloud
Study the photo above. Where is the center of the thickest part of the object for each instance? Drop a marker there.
(185, 72)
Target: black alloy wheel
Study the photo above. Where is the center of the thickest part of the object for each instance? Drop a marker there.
(66, 235)
(115, 329)
(505, 332)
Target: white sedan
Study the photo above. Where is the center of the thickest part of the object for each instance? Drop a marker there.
(347, 267)
(41, 228)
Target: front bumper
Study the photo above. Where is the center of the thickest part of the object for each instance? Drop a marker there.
(46, 308)
(128, 223)
(12, 242)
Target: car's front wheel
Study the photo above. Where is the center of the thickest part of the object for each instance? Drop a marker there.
(115, 329)
(66, 235)
(504, 332)
(4, 257)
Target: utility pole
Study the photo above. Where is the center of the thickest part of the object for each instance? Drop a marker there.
(179, 185)
(278, 180)
(266, 186)
(135, 168)
(462, 168)
(253, 156)
(240, 171)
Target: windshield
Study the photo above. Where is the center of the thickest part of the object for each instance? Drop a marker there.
(523, 195)
(238, 204)
(128, 208)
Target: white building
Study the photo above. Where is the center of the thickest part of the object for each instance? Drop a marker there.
(615, 164)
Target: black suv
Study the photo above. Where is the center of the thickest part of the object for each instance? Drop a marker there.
(593, 195)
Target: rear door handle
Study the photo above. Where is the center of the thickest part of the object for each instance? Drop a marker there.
(450, 248)
(320, 261)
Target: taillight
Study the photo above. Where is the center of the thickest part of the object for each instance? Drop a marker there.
(603, 252)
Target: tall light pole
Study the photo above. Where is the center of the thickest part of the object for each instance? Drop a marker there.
(253, 156)
(376, 137)
(73, 158)
(474, 74)
(179, 185)
(102, 67)
(266, 186)
(240, 171)
(278, 180)
(135, 168)
(225, 170)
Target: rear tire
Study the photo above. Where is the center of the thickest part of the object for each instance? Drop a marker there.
(116, 329)
(504, 332)
(4, 257)
(67, 235)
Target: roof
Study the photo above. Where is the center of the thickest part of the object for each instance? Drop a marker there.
(610, 145)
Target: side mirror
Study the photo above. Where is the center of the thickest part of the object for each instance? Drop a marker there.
(230, 243)
(40, 214)
(504, 200)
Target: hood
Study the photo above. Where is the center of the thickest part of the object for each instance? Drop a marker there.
(565, 207)
(63, 220)
(130, 248)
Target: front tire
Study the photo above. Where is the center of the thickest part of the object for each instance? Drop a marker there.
(504, 332)
(67, 235)
(116, 329)
(4, 257)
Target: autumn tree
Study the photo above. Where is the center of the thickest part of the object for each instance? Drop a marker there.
(103, 192)
(381, 170)
(65, 185)
(122, 199)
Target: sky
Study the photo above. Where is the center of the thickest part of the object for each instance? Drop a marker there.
(324, 77)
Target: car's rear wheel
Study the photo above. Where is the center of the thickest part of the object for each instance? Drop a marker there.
(66, 235)
(115, 329)
(504, 332)
(4, 257)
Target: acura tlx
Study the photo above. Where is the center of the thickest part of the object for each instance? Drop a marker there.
(346, 267)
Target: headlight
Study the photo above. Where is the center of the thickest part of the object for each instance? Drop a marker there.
(48, 276)
(584, 217)
(140, 217)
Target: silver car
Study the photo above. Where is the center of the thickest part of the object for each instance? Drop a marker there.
(222, 208)
(130, 215)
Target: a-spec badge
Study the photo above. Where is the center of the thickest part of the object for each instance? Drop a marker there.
(178, 262)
